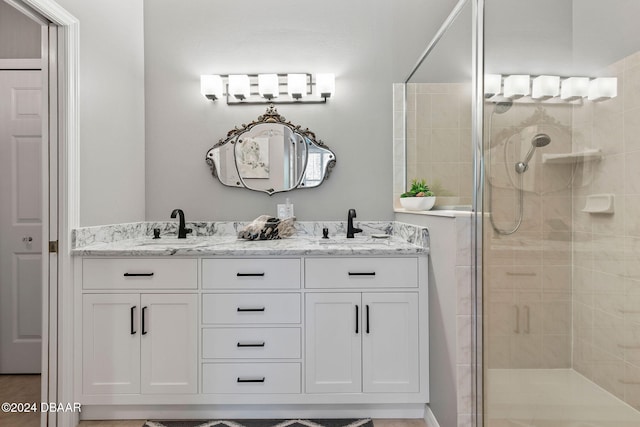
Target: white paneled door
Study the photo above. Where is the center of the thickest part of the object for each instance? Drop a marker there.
(390, 345)
(21, 154)
(333, 347)
(169, 343)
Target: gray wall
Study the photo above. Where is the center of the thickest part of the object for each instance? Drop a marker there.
(19, 35)
(111, 110)
(367, 46)
(357, 41)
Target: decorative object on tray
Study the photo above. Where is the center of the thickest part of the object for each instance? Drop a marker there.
(266, 227)
(419, 197)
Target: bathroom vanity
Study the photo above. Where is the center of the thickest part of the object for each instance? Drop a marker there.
(213, 320)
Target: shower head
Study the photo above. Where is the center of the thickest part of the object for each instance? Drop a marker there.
(538, 141)
(502, 106)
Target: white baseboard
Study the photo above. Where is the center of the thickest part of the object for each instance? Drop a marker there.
(429, 418)
(131, 412)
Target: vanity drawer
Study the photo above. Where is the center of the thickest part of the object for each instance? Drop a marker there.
(241, 378)
(361, 272)
(136, 273)
(250, 308)
(251, 343)
(251, 273)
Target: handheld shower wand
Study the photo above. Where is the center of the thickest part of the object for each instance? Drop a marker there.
(538, 141)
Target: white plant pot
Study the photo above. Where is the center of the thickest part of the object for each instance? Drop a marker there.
(417, 203)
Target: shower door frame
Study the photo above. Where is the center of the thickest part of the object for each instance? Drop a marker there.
(477, 142)
(477, 208)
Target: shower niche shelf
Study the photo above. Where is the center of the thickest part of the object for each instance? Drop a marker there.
(588, 155)
(599, 204)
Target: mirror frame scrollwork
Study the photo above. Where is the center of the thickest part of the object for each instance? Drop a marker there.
(272, 116)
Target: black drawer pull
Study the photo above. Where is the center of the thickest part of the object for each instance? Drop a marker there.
(138, 274)
(133, 310)
(357, 318)
(251, 380)
(373, 273)
(242, 309)
(250, 274)
(256, 344)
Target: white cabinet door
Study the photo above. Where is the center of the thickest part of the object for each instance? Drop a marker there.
(111, 344)
(333, 348)
(390, 342)
(168, 329)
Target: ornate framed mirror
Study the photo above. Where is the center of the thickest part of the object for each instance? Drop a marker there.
(270, 155)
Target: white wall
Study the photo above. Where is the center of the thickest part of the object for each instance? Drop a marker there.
(111, 110)
(356, 40)
(19, 35)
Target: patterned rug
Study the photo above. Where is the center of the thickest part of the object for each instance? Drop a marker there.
(263, 423)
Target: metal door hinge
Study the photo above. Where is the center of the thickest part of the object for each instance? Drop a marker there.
(53, 246)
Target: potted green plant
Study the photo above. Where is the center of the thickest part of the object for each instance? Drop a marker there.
(419, 197)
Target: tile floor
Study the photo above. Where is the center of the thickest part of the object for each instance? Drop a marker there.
(552, 398)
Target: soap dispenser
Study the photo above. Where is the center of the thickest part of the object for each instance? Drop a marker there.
(285, 210)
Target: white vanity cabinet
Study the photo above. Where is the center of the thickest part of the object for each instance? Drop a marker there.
(139, 342)
(229, 330)
(366, 341)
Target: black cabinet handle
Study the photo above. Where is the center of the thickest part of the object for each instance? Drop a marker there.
(251, 380)
(250, 274)
(258, 344)
(144, 332)
(367, 318)
(133, 315)
(357, 318)
(242, 309)
(373, 273)
(138, 274)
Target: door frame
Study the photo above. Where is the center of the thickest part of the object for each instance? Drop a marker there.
(62, 181)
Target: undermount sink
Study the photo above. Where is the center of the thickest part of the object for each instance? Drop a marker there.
(360, 240)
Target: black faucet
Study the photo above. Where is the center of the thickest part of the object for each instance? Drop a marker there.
(350, 228)
(182, 230)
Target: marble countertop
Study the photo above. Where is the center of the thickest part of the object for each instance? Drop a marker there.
(232, 246)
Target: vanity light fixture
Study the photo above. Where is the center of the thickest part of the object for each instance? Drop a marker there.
(325, 84)
(211, 87)
(239, 86)
(545, 87)
(492, 85)
(516, 86)
(251, 89)
(603, 88)
(552, 88)
(268, 86)
(297, 85)
(574, 88)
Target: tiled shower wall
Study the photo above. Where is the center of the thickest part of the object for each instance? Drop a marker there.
(606, 297)
(528, 273)
(439, 140)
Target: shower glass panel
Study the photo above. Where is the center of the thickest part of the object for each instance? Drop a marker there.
(438, 115)
(561, 227)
